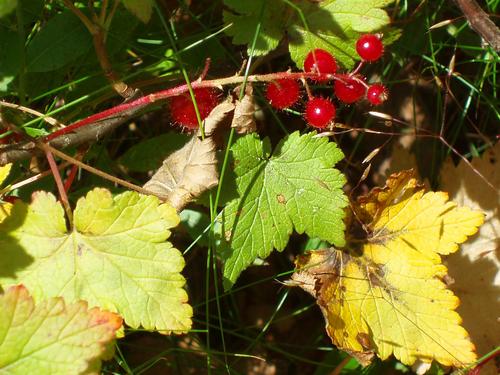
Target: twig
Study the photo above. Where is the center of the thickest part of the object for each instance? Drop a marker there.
(50, 120)
(480, 22)
(31, 179)
(204, 73)
(99, 39)
(85, 20)
(95, 126)
(99, 173)
(60, 186)
(26, 150)
(182, 89)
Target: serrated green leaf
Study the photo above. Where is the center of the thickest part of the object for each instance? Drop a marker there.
(335, 26)
(142, 9)
(297, 187)
(62, 40)
(246, 16)
(53, 337)
(115, 257)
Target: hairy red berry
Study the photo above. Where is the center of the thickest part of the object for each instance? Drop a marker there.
(348, 89)
(182, 108)
(376, 94)
(320, 61)
(319, 112)
(283, 93)
(369, 47)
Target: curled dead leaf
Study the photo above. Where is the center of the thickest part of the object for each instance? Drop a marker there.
(243, 119)
(186, 173)
(217, 116)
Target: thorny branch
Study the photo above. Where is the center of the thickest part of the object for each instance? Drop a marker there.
(94, 127)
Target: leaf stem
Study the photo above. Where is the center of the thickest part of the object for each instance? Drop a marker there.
(99, 173)
(60, 186)
(98, 32)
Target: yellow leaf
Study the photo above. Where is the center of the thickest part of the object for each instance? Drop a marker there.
(5, 208)
(387, 295)
(4, 172)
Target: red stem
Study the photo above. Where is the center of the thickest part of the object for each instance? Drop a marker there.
(174, 91)
(71, 178)
(60, 187)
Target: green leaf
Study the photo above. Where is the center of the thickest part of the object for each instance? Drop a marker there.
(31, 10)
(246, 16)
(142, 9)
(335, 26)
(7, 6)
(115, 257)
(297, 187)
(149, 154)
(52, 337)
(10, 55)
(63, 39)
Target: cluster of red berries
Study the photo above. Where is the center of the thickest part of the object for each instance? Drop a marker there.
(284, 93)
(348, 88)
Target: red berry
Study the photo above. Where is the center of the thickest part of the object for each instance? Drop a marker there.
(320, 61)
(283, 93)
(376, 94)
(182, 108)
(348, 89)
(369, 47)
(319, 112)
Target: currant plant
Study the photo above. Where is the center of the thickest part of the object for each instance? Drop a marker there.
(223, 195)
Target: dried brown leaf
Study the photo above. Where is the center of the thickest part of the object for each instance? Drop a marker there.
(217, 116)
(186, 173)
(243, 119)
(476, 269)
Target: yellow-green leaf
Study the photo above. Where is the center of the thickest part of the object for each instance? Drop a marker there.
(4, 172)
(387, 296)
(115, 257)
(4, 207)
(53, 337)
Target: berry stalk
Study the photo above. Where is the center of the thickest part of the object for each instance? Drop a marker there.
(179, 90)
